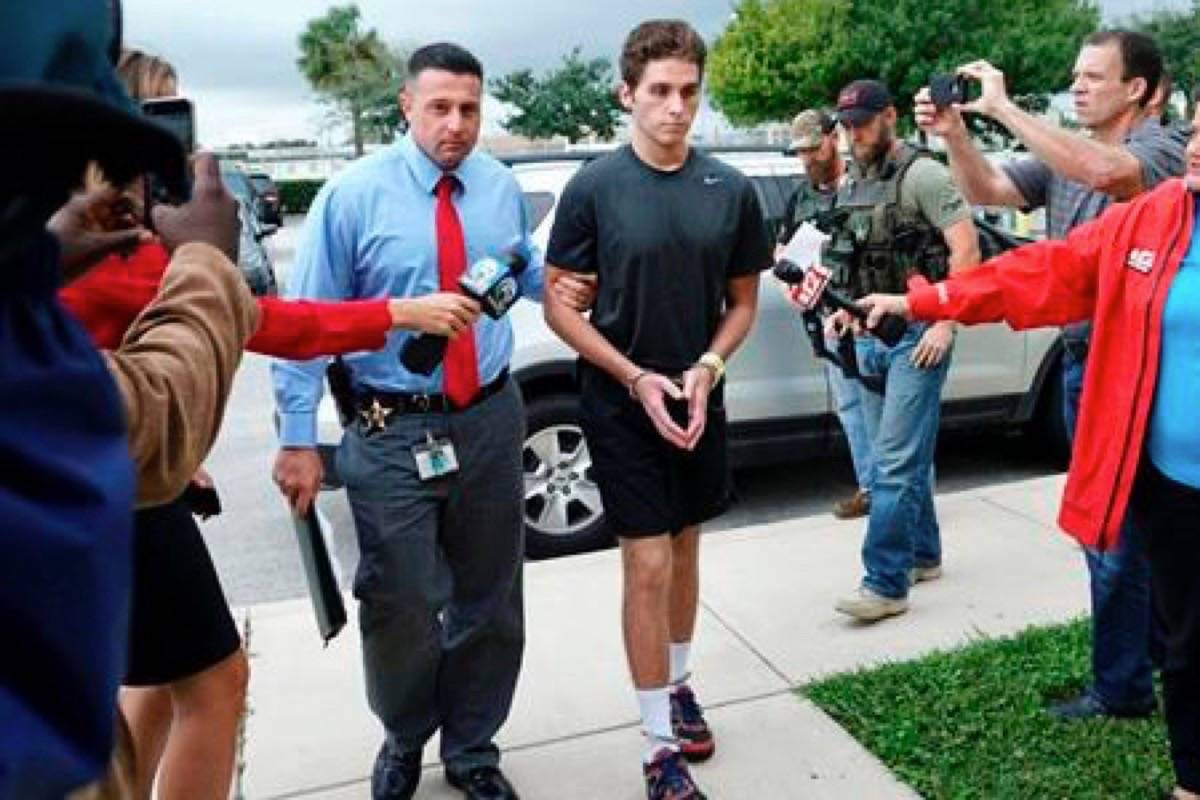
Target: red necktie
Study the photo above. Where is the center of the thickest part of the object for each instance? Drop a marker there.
(460, 374)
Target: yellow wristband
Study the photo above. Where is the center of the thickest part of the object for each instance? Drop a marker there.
(714, 364)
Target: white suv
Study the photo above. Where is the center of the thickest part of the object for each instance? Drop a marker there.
(778, 395)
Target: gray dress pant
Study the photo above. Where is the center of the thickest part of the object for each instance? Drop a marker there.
(439, 579)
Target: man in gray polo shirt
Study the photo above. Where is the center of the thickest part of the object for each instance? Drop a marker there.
(1124, 151)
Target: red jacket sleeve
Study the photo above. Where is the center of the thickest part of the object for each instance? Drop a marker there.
(303, 329)
(111, 295)
(1045, 283)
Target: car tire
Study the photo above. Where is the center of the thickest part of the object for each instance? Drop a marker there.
(563, 512)
(1049, 424)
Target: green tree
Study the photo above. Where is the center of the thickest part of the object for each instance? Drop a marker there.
(1177, 32)
(354, 71)
(576, 100)
(779, 56)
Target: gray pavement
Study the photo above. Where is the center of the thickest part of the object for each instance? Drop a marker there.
(766, 626)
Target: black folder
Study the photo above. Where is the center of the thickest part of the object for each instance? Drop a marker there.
(323, 588)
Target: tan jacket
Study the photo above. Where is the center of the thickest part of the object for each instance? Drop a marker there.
(175, 367)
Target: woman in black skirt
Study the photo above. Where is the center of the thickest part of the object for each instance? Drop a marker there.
(187, 673)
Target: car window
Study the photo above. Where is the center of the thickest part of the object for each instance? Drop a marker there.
(234, 181)
(1014, 221)
(537, 206)
(239, 185)
(772, 201)
(787, 186)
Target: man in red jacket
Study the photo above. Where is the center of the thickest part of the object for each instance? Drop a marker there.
(1135, 272)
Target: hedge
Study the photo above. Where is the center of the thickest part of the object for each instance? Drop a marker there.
(297, 195)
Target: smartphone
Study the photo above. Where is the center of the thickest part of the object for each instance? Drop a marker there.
(177, 115)
(947, 89)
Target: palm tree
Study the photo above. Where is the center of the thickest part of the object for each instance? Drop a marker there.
(353, 69)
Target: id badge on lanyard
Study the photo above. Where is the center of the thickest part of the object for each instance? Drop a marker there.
(435, 457)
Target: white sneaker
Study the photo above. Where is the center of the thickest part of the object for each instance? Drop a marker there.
(870, 606)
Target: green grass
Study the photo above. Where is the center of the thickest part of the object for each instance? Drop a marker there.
(970, 724)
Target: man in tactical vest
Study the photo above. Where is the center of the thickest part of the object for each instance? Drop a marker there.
(899, 215)
(815, 143)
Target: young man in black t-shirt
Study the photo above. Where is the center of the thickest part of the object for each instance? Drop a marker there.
(676, 241)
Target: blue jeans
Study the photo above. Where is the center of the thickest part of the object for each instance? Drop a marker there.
(902, 426)
(1074, 359)
(848, 405)
(1124, 633)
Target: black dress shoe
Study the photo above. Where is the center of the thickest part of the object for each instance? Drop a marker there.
(396, 774)
(1085, 707)
(482, 783)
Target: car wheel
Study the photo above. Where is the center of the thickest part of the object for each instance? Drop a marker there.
(563, 511)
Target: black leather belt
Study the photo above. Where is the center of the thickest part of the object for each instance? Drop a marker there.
(388, 403)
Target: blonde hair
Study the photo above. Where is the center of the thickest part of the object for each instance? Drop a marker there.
(146, 76)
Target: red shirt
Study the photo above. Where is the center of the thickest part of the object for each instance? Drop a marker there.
(109, 297)
(1116, 271)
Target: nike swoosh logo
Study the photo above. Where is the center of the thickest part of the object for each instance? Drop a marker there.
(711, 180)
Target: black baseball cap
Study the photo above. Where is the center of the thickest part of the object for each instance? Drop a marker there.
(62, 103)
(861, 100)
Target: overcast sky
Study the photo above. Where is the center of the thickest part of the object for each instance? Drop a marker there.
(237, 58)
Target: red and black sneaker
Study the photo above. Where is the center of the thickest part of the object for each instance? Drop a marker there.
(696, 741)
(667, 778)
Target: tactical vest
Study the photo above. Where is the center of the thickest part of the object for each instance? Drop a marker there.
(876, 245)
(807, 204)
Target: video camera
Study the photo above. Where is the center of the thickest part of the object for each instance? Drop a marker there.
(492, 282)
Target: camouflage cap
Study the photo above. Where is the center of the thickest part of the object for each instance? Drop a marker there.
(809, 128)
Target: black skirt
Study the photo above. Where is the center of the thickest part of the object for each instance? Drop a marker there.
(180, 624)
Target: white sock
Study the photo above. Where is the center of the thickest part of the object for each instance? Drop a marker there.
(679, 662)
(655, 705)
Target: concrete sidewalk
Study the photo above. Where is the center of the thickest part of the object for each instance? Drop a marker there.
(766, 625)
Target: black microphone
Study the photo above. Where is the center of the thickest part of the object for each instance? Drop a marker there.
(491, 282)
(815, 293)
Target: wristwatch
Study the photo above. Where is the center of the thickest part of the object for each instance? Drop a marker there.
(714, 364)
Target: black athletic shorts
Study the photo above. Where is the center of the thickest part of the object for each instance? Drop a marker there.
(179, 623)
(648, 485)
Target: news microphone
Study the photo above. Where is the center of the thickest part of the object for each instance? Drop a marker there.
(815, 293)
(491, 282)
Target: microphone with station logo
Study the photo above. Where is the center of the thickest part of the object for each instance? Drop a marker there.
(798, 267)
(491, 282)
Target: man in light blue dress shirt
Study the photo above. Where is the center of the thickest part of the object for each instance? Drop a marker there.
(435, 482)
